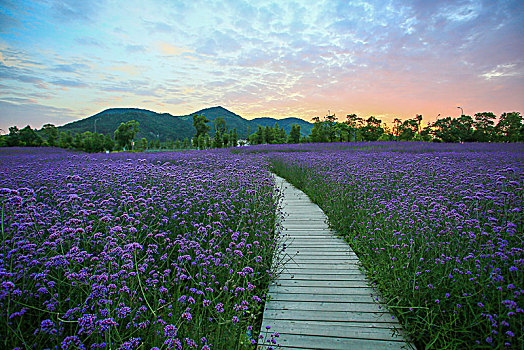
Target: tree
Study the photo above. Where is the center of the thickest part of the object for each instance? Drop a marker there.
(200, 125)
(396, 126)
(217, 139)
(418, 118)
(109, 144)
(125, 133)
(373, 130)
(234, 138)
(13, 137)
(509, 128)
(29, 137)
(257, 137)
(141, 145)
(330, 121)
(90, 142)
(407, 130)
(200, 144)
(320, 131)
(279, 134)
(186, 143)
(342, 132)
(484, 127)
(454, 129)
(294, 134)
(464, 128)
(51, 133)
(220, 125)
(65, 140)
(354, 124)
(225, 139)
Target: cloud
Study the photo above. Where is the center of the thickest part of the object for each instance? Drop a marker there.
(174, 101)
(504, 70)
(90, 41)
(133, 88)
(18, 100)
(7, 22)
(158, 27)
(136, 48)
(171, 50)
(70, 68)
(17, 74)
(69, 83)
(73, 10)
(220, 42)
(129, 69)
(34, 114)
(17, 59)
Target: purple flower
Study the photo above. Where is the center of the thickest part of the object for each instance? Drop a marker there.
(170, 331)
(72, 342)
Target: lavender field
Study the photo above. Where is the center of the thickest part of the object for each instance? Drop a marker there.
(173, 250)
(128, 251)
(439, 229)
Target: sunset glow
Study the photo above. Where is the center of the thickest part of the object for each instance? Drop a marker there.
(64, 60)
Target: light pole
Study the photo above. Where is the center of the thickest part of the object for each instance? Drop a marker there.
(461, 111)
(95, 123)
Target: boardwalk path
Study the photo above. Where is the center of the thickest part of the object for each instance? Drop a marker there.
(321, 300)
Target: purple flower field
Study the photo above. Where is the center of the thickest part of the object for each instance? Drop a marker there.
(127, 251)
(438, 227)
(173, 250)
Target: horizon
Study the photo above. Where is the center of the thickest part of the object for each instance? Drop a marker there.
(63, 61)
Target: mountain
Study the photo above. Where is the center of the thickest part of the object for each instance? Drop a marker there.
(233, 120)
(165, 126)
(152, 125)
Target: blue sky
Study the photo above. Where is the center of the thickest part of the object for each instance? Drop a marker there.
(65, 60)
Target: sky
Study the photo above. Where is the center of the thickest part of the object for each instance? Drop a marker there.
(61, 61)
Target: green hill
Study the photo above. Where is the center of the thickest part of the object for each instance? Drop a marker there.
(164, 126)
(152, 125)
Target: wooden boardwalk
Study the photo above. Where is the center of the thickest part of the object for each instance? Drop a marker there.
(321, 299)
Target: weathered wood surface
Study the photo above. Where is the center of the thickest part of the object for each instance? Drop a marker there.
(321, 298)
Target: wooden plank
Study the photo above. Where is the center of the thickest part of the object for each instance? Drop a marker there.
(322, 277)
(333, 259)
(356, 330)
(296, 261)
(318, 297)
(324, 271)
(326, 316)
(293, 266)
(301, 258)
(324, 306)
(321, 290)
(319, 248)
(328, 283)
(308, 342)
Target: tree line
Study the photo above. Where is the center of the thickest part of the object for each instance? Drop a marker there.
(123, 138)
(482, 127)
